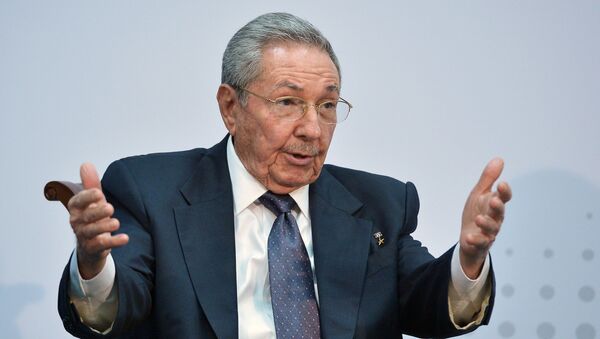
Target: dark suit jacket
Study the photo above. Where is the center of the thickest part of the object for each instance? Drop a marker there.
(176, 277)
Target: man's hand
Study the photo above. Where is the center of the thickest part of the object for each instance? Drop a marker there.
(92, 223)
(482, 218)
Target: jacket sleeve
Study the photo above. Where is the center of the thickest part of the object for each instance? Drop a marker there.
(423, 282)
(134, 262)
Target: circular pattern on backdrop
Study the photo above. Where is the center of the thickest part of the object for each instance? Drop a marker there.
(546, 330)
(506, 329)
(547, 292)
(508, 290)
(587, 254)
(587, 294)
(542, 210)
(585, 331)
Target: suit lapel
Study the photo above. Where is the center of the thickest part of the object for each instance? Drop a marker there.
(341, 249)
(207, 239)
(340, 240)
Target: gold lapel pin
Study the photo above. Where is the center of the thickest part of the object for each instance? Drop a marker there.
(379, 237)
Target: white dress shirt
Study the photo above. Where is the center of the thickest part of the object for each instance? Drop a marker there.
(96, 299)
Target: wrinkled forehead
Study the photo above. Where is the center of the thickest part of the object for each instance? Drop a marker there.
(285, 83)
(306, 61)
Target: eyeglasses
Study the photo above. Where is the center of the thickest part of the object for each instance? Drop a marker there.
(292, 108)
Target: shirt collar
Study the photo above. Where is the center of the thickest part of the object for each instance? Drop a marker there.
(246, 189)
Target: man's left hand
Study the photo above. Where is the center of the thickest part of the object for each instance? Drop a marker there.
(482, 218)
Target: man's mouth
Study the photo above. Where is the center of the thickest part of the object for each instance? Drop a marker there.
(300, 159)
(301, 156)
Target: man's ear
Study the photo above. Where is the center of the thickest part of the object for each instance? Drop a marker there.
(228, 105)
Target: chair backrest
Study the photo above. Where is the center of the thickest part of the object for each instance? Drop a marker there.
(61, 191)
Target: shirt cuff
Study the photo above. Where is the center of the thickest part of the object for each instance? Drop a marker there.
(98, 288)
(464, 285)
(95, 299)
(468, 298)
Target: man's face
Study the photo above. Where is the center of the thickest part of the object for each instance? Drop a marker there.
(285, 155)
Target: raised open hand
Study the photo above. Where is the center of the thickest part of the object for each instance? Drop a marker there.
(482, 217)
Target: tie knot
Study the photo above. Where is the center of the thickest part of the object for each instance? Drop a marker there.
(277, 203)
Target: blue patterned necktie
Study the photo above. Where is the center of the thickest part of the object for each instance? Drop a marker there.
(295, 309)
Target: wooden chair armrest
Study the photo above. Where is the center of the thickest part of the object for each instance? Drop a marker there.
(61, 191)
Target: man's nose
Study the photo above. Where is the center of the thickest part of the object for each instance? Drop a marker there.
(309, 127)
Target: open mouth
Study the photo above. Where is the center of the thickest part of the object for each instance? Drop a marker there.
(300, 159)
(300, 156)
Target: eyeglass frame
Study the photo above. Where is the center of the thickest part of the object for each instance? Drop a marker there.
(305, 106)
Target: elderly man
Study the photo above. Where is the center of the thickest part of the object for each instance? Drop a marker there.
(256, 238)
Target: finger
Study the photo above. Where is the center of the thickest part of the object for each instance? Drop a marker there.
(96, 212)
(84, 198)
(504, 191)
(89, 176)
(496, 209)
(488, 226)
(104, 242)
(490, 174)
(479, 241)
(90, 231)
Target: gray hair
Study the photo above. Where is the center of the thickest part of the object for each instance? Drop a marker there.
(243, 55)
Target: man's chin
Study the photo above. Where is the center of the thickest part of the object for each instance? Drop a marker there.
(287, 183)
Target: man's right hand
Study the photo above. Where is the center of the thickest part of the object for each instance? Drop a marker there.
(92, 223)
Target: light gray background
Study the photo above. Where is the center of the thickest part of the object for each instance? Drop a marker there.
(439, 88)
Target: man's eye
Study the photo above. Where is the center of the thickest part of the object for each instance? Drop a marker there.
(329, 105)
(289, 102)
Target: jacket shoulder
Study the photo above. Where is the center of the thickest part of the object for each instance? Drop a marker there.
(153, 175)
(158, 161)
(359, 181)
(157, 166)
(384, 197)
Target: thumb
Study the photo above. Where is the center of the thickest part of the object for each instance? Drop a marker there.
(490, 174)
(89, 176)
